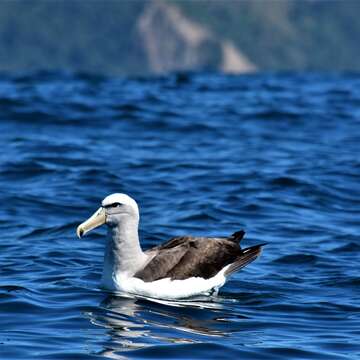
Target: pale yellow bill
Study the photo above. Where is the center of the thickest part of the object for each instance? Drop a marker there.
(97, 219)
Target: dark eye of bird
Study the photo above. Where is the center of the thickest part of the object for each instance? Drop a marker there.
(113, 205)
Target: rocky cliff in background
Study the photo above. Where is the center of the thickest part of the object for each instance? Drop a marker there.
(172, 42)
(157, 36)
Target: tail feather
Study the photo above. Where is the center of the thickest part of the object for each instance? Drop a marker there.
(237, 236)
(249, 255)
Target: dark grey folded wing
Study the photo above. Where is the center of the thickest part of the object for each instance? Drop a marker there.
(248, 255)
(185, 257)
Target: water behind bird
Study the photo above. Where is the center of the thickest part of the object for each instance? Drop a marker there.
(276, 155)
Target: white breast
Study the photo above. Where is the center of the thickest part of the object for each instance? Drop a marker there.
(167, 288)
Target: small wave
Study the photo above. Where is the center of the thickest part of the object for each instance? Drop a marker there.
(347, 248)
(53, 230)
(274, 115)
(11, 288)
(297, 259)
(127, 108)
(10, 102)
(197, 217)
(24, 170)
(286, 181)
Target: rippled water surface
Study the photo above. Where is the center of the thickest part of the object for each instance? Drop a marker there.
(276, 155)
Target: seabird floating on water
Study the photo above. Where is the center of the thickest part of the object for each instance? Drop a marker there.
(182, 267)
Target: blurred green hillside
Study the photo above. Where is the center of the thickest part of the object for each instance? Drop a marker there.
(285, 35)
(142, 37)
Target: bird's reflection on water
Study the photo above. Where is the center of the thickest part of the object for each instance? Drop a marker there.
(135, 322)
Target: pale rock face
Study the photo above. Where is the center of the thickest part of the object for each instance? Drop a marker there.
(172, 42)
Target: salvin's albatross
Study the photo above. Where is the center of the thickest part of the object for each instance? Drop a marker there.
(182, 267)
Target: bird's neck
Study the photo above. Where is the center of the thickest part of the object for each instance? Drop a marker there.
(123, 254)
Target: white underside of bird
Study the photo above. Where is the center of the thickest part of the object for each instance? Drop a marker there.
(166, 288)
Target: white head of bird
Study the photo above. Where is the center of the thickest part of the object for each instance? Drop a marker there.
(115, 209)
(123, 253)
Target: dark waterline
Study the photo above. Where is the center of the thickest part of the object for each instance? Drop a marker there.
(276, 155)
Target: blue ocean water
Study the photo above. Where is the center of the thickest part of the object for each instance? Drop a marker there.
(203, 154)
